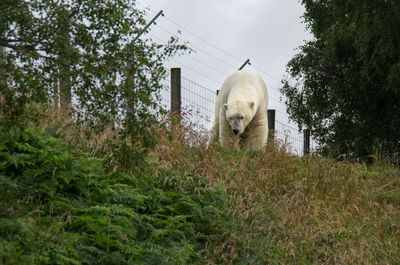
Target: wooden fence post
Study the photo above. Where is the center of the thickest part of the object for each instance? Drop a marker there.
(306, 143)
(176, 90)
(271, 124)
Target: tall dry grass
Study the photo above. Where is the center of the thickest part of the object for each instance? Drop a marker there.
(285, 209)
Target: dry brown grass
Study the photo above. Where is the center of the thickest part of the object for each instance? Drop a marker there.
(284, 209)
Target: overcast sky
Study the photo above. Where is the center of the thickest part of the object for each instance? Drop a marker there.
(224, 33)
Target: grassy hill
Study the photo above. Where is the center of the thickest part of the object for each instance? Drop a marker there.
(66, 199)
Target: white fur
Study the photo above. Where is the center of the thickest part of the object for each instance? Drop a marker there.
(241, 107)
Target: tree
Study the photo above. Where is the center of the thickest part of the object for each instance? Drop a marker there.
(347, 79)
(58, 50)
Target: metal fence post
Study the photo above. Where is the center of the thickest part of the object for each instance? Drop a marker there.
(271, 124)
(245, 63)
(176, 90)
(306, 143)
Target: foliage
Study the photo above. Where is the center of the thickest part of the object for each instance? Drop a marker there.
(186, 204)
(85, 50)
(347, 77)
(60, 206)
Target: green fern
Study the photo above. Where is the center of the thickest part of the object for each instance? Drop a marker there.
(61, 206)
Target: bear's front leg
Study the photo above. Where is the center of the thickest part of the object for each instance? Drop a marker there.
(226, 137)
(255, 139)
(214, 134)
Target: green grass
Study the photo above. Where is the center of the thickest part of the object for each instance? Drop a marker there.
(65, 201)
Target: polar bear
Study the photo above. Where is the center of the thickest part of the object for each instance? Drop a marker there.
(241, 119)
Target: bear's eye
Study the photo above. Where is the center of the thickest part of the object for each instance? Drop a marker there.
(241, 117)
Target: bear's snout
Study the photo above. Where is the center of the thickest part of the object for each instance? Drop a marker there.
(235, 131)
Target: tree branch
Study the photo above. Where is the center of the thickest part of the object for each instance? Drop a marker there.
(322, 68)
(29, 48)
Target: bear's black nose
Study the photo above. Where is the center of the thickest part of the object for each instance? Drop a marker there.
(235, 131)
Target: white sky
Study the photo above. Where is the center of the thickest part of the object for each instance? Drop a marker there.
(225, 33)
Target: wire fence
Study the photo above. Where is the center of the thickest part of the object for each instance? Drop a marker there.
(290, 137)
(198, 102)
(165, 94)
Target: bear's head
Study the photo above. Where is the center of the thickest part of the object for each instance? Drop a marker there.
(239, 114)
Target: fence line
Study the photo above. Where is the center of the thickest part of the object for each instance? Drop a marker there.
(199, 102)
(203, 100)
(290, 136)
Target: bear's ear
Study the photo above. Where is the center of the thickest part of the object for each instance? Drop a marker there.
(226, 106)
(252, 104)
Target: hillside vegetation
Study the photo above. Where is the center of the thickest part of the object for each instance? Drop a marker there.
(68, 198)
